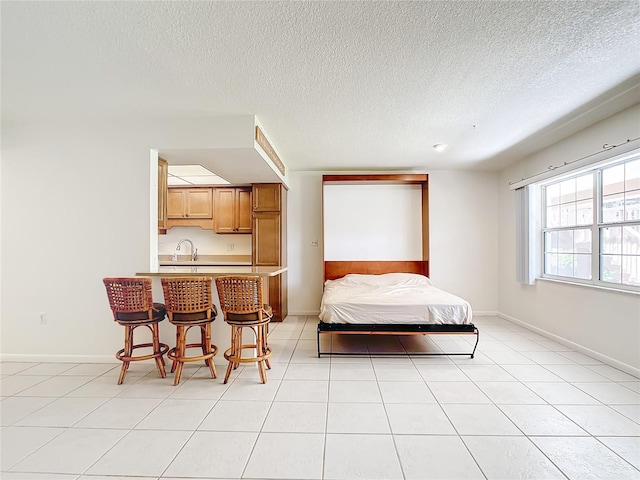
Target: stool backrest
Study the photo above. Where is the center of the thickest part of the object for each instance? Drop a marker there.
(187, 294)
(240, 294)
(128, 295)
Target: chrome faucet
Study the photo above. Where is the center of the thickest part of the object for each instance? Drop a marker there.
(194, 251)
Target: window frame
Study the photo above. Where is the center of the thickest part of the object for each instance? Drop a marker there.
(596, 226)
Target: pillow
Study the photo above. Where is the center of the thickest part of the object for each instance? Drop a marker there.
(382, 279)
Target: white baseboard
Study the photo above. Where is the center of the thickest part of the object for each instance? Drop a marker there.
(631, 370)
(485, 314)
(309, 313)
(37, 358)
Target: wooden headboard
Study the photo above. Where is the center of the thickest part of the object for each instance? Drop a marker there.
(337, 269)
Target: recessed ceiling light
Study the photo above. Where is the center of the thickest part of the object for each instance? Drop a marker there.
(193, 175)
(440, 147)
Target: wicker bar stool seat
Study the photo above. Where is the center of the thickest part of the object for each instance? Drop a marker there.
(242, 307)
(132, 305)
(189, 304)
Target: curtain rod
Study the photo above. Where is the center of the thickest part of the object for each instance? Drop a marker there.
(605, 147)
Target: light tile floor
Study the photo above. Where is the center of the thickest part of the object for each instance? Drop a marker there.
(524, 407)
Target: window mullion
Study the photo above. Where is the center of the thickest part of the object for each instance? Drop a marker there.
(595, 227)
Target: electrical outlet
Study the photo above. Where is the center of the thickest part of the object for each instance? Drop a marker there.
(314, 243)
(230, 247)
(43, 318)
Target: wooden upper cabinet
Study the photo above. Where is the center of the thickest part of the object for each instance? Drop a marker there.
(176, 203)
(245, 218)
(190, 207)
(200, 203)
(232, 210)
(185, 203)
(223, 219)
(266, 197)
(163, 172)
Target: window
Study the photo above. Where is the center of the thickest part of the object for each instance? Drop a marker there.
(591, 226)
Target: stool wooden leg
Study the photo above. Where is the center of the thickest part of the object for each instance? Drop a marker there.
(234, 335)
(155, 333)
(260, 352)
(203, 339)
(174, 364)
(206, 349)
(128, 351)
(238, 346)
(180, 352)
(265, 333)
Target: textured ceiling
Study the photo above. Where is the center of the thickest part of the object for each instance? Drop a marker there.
(336, 85)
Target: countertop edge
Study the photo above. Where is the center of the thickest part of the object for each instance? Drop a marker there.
(214, 271)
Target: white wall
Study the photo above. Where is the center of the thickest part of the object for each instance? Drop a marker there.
(463, 234)
(304, 226)
(606, 323)
(75, 209)
(206, 241)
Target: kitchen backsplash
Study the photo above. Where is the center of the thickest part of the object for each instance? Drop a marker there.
(207, 242)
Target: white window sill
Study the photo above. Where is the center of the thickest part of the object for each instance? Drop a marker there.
(586, 285)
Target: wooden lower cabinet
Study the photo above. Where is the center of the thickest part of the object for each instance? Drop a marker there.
(278, 296)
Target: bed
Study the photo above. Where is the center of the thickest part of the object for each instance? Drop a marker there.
(391, 303)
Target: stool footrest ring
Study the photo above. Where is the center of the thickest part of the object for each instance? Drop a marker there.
(164, 348)
(239, 359)
(172, 353)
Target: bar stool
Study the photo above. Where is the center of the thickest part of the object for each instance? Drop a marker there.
(189, 304)
(132, 305)
(242, 306)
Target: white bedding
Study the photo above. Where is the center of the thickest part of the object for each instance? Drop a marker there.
(391, 298)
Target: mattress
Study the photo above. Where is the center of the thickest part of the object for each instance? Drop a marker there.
(391, 298)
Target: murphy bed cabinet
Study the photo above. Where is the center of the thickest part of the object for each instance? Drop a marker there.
(191, 206)
(269, 240)
(232, 210)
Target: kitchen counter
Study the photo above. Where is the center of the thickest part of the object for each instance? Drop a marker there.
(214, 271)
(204, 260)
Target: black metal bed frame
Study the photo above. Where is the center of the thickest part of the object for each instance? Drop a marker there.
(401, 329)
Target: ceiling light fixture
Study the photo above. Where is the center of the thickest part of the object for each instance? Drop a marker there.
(440, 147)
(193, 175)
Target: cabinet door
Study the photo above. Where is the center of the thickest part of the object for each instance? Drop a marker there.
(266, 239)
(176, 202)
(163, 169)
(223, 218)
(199, 203)
(266, 197)
(244, 219)
(275, 293)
